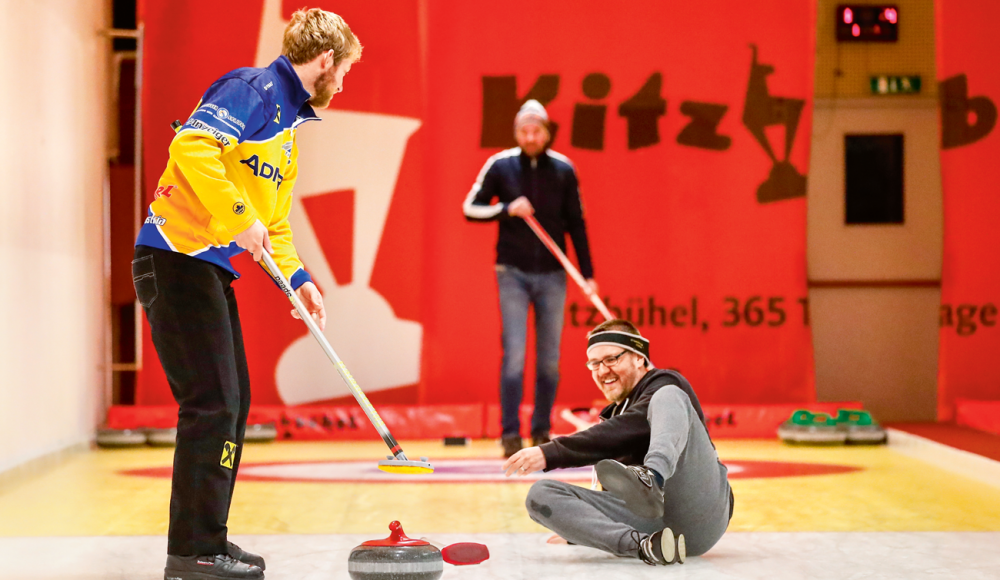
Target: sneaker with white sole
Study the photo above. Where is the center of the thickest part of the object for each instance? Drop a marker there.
(637, 485)
(663, 548)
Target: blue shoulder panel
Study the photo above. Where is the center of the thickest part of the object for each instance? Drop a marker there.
(231, 106)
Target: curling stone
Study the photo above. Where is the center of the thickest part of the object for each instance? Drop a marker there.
(395, 558)
(118, 438)
(162, 437)
(260, 433)
(861, 428)
(811, 429)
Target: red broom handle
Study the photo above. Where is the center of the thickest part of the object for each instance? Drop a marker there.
(570, 268)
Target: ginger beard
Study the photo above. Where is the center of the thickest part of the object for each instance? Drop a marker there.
(329, 83)
(324, 90)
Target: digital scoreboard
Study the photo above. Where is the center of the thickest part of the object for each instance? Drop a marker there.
(867, 23)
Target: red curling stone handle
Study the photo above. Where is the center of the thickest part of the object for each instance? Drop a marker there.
(396, 538)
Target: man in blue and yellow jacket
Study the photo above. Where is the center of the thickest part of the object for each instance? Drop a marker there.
(227, 188)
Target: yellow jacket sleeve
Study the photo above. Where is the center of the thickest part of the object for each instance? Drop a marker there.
(280, 230)
(198, 155)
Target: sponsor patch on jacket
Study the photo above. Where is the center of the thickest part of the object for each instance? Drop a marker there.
(163, 191)
(226, 117)
(156, 220)
(239, 207)
(263, 169)
(223, 114)
(219, 135)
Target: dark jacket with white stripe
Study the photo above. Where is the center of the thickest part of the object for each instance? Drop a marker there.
(623, 433)
(550, 184)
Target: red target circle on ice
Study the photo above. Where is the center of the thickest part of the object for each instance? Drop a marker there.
(473, 471)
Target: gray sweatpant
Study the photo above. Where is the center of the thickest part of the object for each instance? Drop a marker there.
(697, 498)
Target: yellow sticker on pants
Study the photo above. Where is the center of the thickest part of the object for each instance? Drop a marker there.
(228, 455)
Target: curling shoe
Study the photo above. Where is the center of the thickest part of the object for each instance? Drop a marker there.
(246, 557)
(640, 487)
(663, 548)
(540, 438)
(218, 567)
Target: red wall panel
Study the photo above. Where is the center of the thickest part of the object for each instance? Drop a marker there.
(970, 89)
(702, 218)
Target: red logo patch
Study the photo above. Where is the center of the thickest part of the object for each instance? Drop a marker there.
(163, 191)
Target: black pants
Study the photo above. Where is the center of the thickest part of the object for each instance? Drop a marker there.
(191, 308)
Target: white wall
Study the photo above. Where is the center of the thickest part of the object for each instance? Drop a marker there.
(874, 289)
(53, 113)
(908, 251)
(878, 346)
(875, 338)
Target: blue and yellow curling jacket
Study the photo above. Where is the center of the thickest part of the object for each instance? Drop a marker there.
(234, 161)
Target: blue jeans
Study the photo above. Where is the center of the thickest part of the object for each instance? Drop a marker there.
(547, 292)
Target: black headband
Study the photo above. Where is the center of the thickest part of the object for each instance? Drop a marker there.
(631, 342)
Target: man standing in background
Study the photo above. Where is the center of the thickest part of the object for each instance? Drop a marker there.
(227, 188)
(530, 180)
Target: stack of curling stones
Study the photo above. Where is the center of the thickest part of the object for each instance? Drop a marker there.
(120, 438)
(162, 437)
(860, 426)
(849, 426)
(261, 433)
(395, 558)
(167, 437)
(257, 433)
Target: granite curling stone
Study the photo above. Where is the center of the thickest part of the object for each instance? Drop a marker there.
(162, 437)
(260, 433)
(395, 558)
(120, 438)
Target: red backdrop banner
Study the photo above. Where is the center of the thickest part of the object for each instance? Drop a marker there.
(969, 91)
(689, 128)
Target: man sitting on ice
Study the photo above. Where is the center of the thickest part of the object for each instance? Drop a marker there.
(666, 492)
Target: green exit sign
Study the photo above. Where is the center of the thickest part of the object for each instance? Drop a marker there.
(895, 85)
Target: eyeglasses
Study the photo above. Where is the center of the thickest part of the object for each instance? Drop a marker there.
(608, 361)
